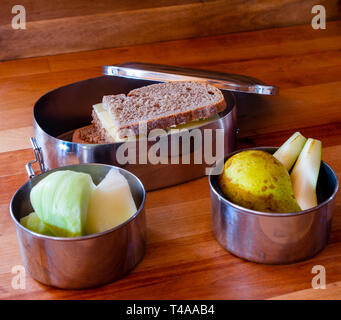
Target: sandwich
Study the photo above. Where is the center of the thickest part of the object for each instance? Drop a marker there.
(169, 105)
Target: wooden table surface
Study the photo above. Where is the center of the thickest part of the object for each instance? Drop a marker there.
(183, 260)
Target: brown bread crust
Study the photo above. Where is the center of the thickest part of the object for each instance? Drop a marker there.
(88, 134)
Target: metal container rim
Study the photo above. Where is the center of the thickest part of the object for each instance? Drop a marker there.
(86, 237)
(270, 214)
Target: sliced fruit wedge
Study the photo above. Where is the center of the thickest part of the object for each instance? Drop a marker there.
(61, 201)
(290, 150)
(111, 203)
(305, 173)
(33, 223)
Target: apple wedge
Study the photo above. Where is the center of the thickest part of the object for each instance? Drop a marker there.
(111, 203)
(305, 173)
(290, 150)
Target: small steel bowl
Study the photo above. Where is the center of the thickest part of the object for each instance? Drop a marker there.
(274, 238)
(87, 261)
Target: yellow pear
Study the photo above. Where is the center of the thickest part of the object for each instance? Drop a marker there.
(256, 180)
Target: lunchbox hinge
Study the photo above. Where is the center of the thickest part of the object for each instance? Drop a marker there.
(38, 158)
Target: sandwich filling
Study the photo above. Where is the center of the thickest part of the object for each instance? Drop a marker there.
(107, 123)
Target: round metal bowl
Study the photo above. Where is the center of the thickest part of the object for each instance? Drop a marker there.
(87, 261)
(274, 238)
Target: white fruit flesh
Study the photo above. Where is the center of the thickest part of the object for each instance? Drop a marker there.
(305, 173)
(111, 203)
(290, 150)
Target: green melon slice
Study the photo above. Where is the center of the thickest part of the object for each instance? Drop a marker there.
(61, 201)
(33, 223)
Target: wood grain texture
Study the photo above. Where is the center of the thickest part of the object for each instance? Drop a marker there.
(72, 26)
(45, 10)
(183, 260)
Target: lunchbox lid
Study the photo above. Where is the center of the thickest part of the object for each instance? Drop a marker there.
(156, 72)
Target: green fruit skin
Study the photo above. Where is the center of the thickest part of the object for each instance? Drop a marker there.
(33, 223)
(61, 201)
(256, 180)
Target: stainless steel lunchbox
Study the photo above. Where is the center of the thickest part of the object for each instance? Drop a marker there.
(274, 238)
(87, 261)
(58, 113)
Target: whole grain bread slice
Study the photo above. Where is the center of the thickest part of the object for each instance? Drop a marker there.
(89, 134)
(163, 105)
